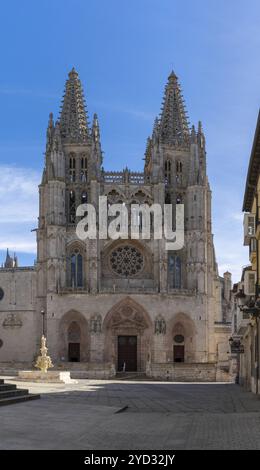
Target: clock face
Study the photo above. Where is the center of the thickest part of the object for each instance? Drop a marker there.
(1, 293)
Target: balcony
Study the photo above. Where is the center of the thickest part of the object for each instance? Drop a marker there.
(128, 285)
(249, 228)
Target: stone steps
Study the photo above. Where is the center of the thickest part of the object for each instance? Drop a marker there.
(20, 399)
(10, 394)
(4, 387)
(131, 376)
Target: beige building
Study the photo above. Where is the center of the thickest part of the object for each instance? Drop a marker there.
(246, 310)
(120, 305)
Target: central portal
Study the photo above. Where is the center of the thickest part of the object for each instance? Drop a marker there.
(74, 352)
(127, 353)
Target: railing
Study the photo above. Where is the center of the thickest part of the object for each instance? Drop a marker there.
(126, 176)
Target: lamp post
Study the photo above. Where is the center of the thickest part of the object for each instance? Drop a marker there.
(236, 348)
(43, 314)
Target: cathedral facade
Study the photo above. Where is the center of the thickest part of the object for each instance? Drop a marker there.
(109, 306)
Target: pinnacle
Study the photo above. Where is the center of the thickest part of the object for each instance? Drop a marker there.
(172, 76)
(73, 117)
(174, 123)
(73, 73)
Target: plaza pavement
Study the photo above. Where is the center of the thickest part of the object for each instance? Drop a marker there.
(159, 415)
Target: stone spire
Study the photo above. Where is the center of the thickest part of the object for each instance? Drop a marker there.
(9, 261)
(148, 152)
(73, 116)
(49, 134)
(174, 127)
(96, 151)
(95, 130)
(201, 137)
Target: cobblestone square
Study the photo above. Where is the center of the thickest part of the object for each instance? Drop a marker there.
(159, 415)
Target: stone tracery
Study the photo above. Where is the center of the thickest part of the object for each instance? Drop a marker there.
(126, 261)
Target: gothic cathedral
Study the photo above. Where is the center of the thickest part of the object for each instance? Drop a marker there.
(110, 307)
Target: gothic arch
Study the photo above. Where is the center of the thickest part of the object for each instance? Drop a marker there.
(65, 325)
(73, 244)
(145, 196)
(128, 318)
(127, 305)
(75, 249)
(183, 325)
(115, 196)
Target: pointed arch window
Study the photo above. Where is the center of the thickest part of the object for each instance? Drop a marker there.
(72, 207)
(174, 271)
(167, 198)
(72, 168)
(83, 169)
(178, 171)
(84, 197)
(76, 269)
(167, 172)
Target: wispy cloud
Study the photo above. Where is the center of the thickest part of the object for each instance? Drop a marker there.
(28, 92)
(238, 216)
(125, 109)
(23, 245)
(19, 194)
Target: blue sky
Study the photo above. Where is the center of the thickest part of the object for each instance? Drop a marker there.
(124, 51)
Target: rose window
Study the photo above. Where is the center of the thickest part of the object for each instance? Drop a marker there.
(126, 261)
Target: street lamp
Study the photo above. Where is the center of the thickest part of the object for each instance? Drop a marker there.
(43, 329)
(237, 348)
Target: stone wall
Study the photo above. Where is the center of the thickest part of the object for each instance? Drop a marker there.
(183, 372)
(18, 325)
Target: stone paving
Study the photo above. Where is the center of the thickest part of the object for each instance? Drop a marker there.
(159, 416)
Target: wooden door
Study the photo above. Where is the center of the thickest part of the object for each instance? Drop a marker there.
(127, 353)
(74, 352)
(178, 353)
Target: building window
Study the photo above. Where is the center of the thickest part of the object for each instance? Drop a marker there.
(167, 172)
(167, 198)
(76, 269)
(72, 169)
(251, 283)
(83, 169)
(178, 172)
(174, 271)
(72, 207)
(126, 261)
(84, 197)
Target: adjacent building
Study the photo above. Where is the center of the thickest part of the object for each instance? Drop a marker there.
(246, 294)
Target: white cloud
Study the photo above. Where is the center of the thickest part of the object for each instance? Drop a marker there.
(136, 113)
(23, 245)
(237, 216)
(18, 208)
(18, 194)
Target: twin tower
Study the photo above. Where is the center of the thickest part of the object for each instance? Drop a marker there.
(123, 304)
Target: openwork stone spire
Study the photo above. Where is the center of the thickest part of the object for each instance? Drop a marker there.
(73, 117)
(174, 127)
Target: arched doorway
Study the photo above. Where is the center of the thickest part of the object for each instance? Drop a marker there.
(183, 336)
(74, 342)
(74, 338)
(128, 332)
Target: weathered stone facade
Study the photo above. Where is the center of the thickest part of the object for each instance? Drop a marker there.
(113, 305)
